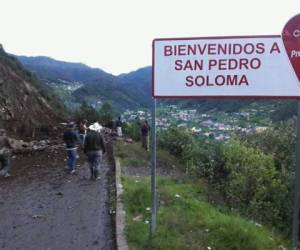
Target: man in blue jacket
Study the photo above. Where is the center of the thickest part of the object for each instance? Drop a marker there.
(71, 139)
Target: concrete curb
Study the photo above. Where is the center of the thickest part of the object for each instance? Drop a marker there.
(120, 212)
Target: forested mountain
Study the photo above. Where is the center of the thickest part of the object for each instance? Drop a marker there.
(96, 86)
(107, 89)
(127, 91)
(51, 69)
(139, 84)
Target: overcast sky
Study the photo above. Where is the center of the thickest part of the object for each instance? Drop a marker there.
(116, 35)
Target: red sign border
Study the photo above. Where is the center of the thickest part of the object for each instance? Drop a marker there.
(211, 97)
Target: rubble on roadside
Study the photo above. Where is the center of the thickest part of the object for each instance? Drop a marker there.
(20, 146)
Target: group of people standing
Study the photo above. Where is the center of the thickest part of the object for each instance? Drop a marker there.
(90, 141)
(88, 138)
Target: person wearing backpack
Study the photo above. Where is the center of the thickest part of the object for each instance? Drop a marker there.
(70, 138)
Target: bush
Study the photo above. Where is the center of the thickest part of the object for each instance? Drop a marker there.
(255, 176)
(133, 130)
(105, 115)
(250, 181)
(209, 160)
(87, 112)
(280, 142)
(180, 143)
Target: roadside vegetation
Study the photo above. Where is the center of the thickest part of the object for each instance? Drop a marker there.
(253, 173)
(192, 213)
(104, 115)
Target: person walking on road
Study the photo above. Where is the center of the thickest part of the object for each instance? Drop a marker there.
(82, 128)
(70, 137)
(94, 148)
(119, 127)
(145, 135)
(5, 154)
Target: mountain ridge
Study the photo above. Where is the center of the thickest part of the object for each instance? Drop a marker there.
(124, 91)
(50, 68)
(133, 90)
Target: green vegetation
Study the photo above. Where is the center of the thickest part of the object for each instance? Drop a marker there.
(187, 221)
(279, 143)
(192, 214)
(128, 155)
(134, 155)
(104, 115)
(251, 184)
(253, 174)
(133, 130)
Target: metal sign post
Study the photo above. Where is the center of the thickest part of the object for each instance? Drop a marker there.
(153, 171)
(297, 187)
(256, 67)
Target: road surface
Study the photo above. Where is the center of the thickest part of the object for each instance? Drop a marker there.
(43, 207)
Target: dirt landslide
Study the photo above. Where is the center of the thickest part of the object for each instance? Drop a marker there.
(44, 207)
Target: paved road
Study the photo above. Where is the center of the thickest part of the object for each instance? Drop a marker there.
(42, 207)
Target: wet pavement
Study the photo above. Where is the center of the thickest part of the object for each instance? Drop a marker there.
(44, 207)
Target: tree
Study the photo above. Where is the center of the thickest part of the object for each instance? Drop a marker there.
(133, 129)
(105, 114)
(251, 184)
(280, 142)
(87, 112)
(180, 143)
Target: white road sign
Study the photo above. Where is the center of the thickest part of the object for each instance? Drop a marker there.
(256, 66)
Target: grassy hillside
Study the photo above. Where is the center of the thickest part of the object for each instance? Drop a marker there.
(188, 216)
(187, 221)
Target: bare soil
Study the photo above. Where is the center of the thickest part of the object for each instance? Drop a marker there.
(44, 207)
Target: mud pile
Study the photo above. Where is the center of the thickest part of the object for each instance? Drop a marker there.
(24, 111)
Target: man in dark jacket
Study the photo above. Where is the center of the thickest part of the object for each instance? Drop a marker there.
(71, 139)
(145, 129)
(94, 148)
